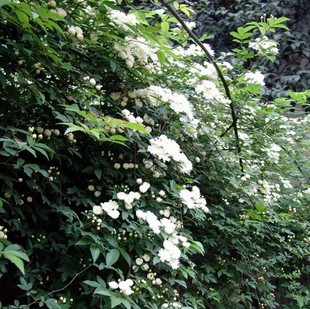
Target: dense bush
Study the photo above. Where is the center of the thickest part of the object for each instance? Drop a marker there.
(139, 175)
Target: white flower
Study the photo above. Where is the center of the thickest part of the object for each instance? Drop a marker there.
(177, 102)
(170, 253)
(61, 12)
(140, 214)
(166, 212)
(111, 208)
(144, 187)
(162, 193)
(117, 166)
(153, 222)
(121, 19)
(209, 91)
(254, 78)
(146, 257)
(97, 210)
(139, 261)
(92, 81)
(114, 214)
(128, 206)
(125, 286)
(194, 50)
(145, 267)
(121, 195)
(113, 285)
(97, 193)
(264, 46)
(158, 281)
(128, 198)
(52, 3)
(168, 225)
(151, 219)
(193, 199)
(166, 149)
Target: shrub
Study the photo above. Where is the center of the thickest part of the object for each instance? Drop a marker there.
(139, 175)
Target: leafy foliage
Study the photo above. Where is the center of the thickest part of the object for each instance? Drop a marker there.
(132, 176)
(290, 71)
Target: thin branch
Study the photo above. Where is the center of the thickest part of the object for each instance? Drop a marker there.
(63, 288)
(225, 132)
(219, 72)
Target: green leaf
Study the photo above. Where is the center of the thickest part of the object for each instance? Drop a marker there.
(19, 254)
(73, 128)
(16, 261)
(20, 162)
(95, 252)
(103, 291)
(165, 26)
(126, 256)
(261, 207)
(98, 173)
(113, 65)
(112, 257)
(52, 304)
(23, 18)
(136, 126)
(161, 57)
(115, 301)
(197, 246)
(118, 138)
(4, 2)
(93, 284)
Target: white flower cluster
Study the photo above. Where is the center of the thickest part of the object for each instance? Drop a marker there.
(138, 50)
(254, 78)
(158, 95)
(193, 199)
(128, 198)
(201, 71)
(264, 46)
(76, 31)
(170, 253)
(210, 92)
(130, 117)
(168, 225)
(151, 219)
(3, 233)
(166, 149)
(58, 11)
(110, 207)
(125, 287)
(122, 20)
(191, 24)
(273, 152)
(144, 187)
(92, 82)
(269, 190)
(142, 263)
(286, 183)
(193, 50)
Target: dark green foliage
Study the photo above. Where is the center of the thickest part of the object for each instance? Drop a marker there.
(291, 70)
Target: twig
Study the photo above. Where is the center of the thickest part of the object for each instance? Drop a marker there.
(220, 74)
(63, 288)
